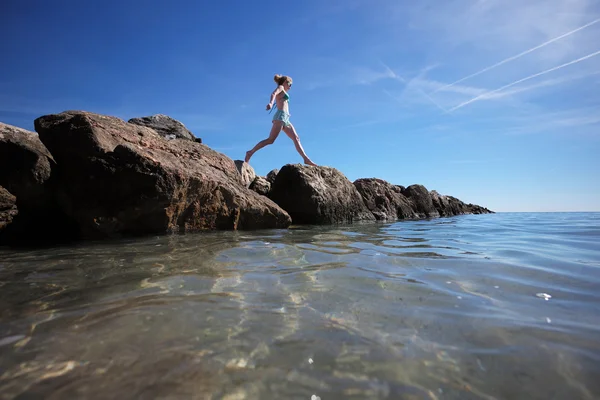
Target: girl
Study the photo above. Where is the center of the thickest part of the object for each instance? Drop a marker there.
(281, 119)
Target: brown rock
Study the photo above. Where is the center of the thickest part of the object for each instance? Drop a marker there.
(8, 208)
(246, 172)
(261, 186)
(318, 195)
(165, 126)
(272, 175)
(114, 178)
(384, 200)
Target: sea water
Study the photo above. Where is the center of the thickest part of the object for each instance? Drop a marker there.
(501, 306)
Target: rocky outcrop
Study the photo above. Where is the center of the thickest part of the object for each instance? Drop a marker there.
(261, 186)
(272, 175)
(246, 172)
(318, 195)
(165, 126)
(87, 175)
(8, 208)
(116, 178)
(384, 200)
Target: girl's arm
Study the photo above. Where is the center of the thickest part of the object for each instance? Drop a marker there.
(273, 95)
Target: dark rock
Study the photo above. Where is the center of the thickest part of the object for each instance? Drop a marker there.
(26, 168)
(475, 209)
(8, 208)
(421, 201)
(198, 140)
(165, 126)
(261, 186)
(25, 165)
(318, 195)
(448, 205)
(246, 172)
(115, 178)
(272, 175)
(384, 200)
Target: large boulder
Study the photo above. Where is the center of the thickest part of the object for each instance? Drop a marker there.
(8, 208)
(421, 201)
(165, 126)
(114, 178)
(318, 195)
(384, 200)
(26, 168)
(261, 186)
(246, 172)
(25, 165)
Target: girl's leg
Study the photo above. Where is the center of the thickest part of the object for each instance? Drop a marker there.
(275, 129)
(291, 132)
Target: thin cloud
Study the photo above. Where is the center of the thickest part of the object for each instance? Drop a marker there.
(523, 80)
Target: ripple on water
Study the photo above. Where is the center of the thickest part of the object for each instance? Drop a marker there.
(470, 307)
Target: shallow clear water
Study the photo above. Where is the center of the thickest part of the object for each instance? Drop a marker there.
(450, 308)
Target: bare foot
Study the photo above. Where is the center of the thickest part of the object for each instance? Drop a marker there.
(309, 162)
(248, 155)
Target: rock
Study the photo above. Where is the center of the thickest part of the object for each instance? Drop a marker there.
(261, 186)
(26, 168)
(475, 209)
(421, 201)
(246, 172)
(25, 165)
(384, 200)
(116, 178)
(8, 208)
(447, 205)
(272, 175)
(318, 195)
(165, 126)
(198, 140)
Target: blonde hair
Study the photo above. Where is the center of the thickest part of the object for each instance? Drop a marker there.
(281, 79)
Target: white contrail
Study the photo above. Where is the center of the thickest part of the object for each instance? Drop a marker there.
(520, 54)
(406, 83)
(523, 80)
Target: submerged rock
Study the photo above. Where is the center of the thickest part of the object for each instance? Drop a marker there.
(384, 200)
(318, 195)
(165, 126)
(115, 178)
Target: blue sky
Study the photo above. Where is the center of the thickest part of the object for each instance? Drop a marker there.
(496, 102)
